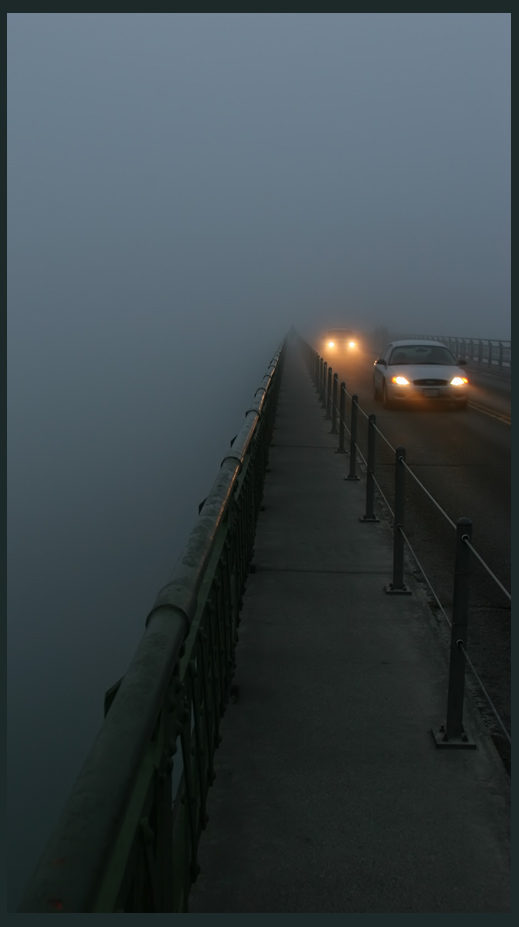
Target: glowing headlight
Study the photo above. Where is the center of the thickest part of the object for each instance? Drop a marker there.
(331, 344)
(459, 381)
(351, 344)
(400, 381)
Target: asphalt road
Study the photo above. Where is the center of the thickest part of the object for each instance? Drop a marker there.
(462, 458)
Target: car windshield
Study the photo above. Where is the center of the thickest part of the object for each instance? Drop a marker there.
(421, 354)
(340, 333)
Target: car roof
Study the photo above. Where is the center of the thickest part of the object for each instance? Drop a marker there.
(423, 341)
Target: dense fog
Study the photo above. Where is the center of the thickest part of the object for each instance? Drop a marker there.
(182, 189)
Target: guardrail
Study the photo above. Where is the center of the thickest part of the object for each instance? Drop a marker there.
(491, 354)
(452, 732)
(127, 839)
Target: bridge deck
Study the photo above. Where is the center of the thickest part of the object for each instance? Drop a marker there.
(330, 794)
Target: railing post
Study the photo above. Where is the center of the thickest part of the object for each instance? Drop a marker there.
(324, 381)
(370, 482)
(490, 353)
(329, 394)
(480, 352)
(342, 419)
(334, 403)
(452, 733)
(353, 439)
(398, 586)
(500, 355)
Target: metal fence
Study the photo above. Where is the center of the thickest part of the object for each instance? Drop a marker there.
(333, 396)
(491, 354)
(127, 839)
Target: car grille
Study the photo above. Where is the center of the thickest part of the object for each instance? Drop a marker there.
(431, 382)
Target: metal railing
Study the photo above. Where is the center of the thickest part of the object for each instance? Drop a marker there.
(452, 733)
(488, 353)
(127, 839)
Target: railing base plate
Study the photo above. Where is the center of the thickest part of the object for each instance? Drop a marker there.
(402, 590)
(463, 742)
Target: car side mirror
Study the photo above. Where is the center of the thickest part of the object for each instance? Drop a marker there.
(381, 362)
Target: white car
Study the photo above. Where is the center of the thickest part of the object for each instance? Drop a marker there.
(419, 371)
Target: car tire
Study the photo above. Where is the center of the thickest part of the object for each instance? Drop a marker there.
(385, 398)
(376, 392)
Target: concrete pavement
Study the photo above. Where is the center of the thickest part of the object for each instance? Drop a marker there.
(330, 793)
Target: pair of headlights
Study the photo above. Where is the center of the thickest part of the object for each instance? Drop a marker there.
(403, 381)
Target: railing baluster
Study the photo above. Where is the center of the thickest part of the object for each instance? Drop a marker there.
(370, 482)
(452, 733)
(342, 419)
(352, 475)
(397, 586)
(334, 403)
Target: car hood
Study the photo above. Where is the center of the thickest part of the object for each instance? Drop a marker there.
(427, 371)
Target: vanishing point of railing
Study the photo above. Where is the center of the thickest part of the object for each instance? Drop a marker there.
(127, 839)
(452, 733)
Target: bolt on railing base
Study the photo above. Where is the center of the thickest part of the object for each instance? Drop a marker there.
(372, 518)
(397, 590)
(350, 477)
(463, 741)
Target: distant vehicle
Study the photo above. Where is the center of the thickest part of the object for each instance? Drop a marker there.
(418, 371)
(340, 339)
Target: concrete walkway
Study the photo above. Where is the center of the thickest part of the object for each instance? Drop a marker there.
(330, 794)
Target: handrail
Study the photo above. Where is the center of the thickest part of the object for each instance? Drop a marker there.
(491, 353)
(118, 830)
(356, 408)
(322, 376)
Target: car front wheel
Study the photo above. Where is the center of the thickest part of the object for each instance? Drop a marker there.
(385, 398)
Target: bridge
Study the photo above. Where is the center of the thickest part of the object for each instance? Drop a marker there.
(296, 732)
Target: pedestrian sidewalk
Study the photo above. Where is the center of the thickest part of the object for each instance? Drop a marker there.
(330, 793)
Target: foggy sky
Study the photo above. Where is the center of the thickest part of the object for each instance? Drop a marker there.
(182, 188)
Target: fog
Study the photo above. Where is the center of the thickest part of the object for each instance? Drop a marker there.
(182, 188)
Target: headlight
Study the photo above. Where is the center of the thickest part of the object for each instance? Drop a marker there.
(400, 381)
(459, 381)
(351, 344)
(331, 344)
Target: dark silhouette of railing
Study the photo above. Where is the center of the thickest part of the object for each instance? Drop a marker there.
(452, 733)
(127, 839)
